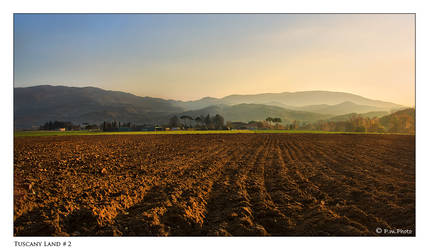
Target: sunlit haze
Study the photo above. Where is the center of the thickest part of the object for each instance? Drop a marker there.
(190, 56)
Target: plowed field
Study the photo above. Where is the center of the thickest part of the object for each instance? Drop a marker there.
(233, 184)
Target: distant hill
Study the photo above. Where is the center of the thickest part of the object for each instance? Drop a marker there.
(341, 109)
(198, 104)
(249, 112)
(35, 105)
(347, 117)
(292, 100)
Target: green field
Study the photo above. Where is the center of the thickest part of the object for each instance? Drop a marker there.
(84, 132)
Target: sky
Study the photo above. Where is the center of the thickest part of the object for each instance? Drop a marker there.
(190, 56)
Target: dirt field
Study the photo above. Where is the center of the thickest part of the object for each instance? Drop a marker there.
(242, 184)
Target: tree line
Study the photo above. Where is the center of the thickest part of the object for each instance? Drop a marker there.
(54, 125)
(207, 122)
(200, 122)
(398, 122)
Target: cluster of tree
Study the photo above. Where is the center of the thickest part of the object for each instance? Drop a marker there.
(116, 126)
(87, 126)
(399, 122)
(199, 122)
(55, 125)
(354, 124)
(105, 126)
(269, 123)
(275, 120)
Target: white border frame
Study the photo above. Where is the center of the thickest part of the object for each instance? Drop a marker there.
(220, 6)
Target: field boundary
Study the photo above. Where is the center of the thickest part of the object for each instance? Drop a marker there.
(186, 132)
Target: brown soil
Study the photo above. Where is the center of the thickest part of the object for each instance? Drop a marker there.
(238, 184)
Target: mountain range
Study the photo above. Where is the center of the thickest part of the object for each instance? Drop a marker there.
(289, 100)
(36, 105)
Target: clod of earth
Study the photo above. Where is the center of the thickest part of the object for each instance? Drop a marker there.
(230, 184)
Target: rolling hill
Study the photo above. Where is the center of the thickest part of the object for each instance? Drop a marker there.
(402, 121)
(347, 117)
(249, 112)
(33, 106)
(294, 100)
(341, 108)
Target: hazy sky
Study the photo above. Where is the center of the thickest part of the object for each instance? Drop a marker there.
(189, 56)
